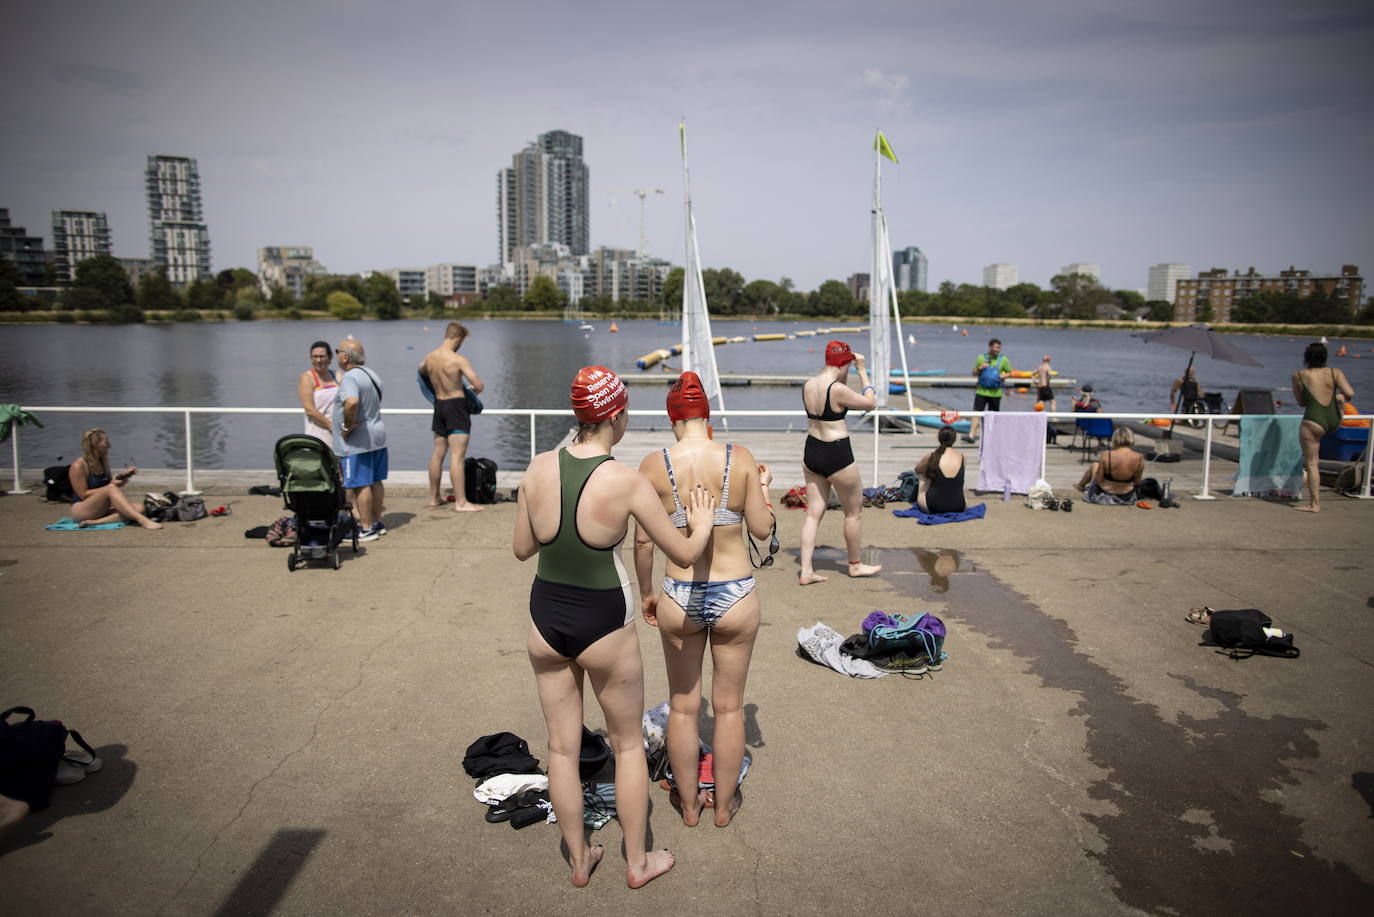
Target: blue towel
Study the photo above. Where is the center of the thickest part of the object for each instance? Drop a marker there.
(1011, 449)
(923, 518)
(70, 525)
(1270, 456)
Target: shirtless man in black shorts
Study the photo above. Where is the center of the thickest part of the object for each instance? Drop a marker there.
(446, 370)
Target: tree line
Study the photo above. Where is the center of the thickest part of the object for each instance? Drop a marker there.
(101, 292)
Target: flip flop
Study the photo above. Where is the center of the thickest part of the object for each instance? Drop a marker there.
(1202, 617)
(1143, 505)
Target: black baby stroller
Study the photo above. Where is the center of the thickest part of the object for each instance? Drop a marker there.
(313, 489)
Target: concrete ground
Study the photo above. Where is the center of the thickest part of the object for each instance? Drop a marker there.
(292, 742)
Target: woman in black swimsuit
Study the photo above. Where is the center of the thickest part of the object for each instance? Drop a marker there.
(941, 476)
(99, 497)
(829, 460)
(1112, 479)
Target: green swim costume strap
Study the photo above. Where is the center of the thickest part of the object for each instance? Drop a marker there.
(567, 559)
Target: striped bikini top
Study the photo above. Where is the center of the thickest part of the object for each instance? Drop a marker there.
(724, 515)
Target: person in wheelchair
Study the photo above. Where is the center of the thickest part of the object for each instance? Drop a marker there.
(1185, 392)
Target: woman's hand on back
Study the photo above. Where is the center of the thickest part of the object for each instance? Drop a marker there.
(701, 509)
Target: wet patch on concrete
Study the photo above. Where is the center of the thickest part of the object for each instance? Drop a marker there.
(1198, 817)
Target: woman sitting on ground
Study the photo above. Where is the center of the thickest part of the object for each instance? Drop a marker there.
(1319, 389)
(100, 498)
(711, 601)
(1113, 479)
(574, 511)
(941, 475)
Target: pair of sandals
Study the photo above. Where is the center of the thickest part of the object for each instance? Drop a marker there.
(1202, 617)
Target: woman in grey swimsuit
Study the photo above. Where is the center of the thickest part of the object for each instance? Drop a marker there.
(713, 600)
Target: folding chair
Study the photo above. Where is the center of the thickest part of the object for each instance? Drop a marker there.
(1092, 428)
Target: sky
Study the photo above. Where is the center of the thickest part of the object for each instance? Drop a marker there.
(1038, 133)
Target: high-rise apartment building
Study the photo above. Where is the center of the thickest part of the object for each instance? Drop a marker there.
(1001, 276)
(1215, 292)
(1087, 270)
(909, 269)
(177, 231)
(542, 197)
(286, 267)
(23, 250)
(76, 236)
(1163, 279)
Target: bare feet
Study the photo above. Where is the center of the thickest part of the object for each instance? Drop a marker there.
(691, 816)
(656, 863)
(807, 579)
(1308, 509)
(466, 507)
(11, 811)
(433, 503)
(858, 569)
(723, 815)
(150, 524)
(582, 871)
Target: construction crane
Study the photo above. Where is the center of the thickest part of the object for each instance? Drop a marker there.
(641, 193)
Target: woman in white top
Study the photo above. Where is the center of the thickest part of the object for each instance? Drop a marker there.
(316, 388)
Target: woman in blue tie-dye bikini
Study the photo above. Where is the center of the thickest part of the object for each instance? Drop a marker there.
(714, 600)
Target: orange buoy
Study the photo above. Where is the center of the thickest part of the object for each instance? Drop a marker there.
(1040, 405)
(1340, 351)
(964, 332)
(614, 329)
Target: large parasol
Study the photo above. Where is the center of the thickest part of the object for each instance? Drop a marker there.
(1199, 339)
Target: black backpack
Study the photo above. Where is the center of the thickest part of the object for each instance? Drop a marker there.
(1242, 634)
(479, 480)
(57, 479)
(30, 750)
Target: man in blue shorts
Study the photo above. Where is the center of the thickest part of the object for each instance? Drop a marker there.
(360, 438)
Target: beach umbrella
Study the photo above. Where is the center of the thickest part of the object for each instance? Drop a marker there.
(1198, 339)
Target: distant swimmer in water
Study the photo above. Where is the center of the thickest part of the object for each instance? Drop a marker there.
(1319, 389)
(99, 497)
(828, 460)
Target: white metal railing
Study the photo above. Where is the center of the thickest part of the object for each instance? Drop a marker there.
(534, 413)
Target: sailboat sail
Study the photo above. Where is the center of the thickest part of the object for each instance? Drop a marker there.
(698, 353)
(882, 287)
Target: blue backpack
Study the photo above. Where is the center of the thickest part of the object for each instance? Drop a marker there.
(990, 376)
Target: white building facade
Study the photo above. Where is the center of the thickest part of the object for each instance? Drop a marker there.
(287, 267)
(1087, 270)
(1001, 276)
(76, 236)
(1163, 281)
(178, 235)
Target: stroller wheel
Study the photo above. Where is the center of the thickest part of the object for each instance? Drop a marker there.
(291, 562)
(337, 560)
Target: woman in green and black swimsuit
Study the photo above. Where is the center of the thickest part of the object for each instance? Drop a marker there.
(1318, 388)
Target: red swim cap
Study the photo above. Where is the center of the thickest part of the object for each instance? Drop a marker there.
(597, 393)
(687, 399)
(837, 353)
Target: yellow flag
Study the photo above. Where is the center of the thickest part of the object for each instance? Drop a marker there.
(881, 145)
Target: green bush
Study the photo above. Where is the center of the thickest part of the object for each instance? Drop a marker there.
(186, 315)
(65, 318)
(294, 314)
(244, 311)
(344, 306)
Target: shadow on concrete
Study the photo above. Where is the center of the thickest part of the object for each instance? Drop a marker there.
(98, 792)
(1199, 811)
(268, 879)
(397, 520)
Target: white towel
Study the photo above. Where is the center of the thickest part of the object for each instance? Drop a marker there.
(1011, 449)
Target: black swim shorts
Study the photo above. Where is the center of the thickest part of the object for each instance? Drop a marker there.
(986, 403)
(451, 416)
(1044, 393)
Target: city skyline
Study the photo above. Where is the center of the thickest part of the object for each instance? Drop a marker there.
(1223, 134)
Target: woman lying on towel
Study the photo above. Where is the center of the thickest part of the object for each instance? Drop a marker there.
(941, 475)
(99, 497)
(1113, 479)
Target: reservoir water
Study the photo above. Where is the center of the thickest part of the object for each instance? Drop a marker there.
(529, 365)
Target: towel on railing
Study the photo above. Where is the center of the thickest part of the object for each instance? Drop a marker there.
(1011, 450)
(13, 414)
(1270, 456)
(923, 518)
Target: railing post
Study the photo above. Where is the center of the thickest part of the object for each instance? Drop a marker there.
(534, 443)
(1044, 447)
(190, 479)
(18, 487)
(1206, 466)
(877, 426)
(1368, 446)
